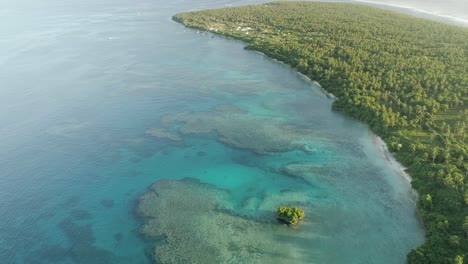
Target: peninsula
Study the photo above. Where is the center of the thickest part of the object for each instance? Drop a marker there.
(406, 77)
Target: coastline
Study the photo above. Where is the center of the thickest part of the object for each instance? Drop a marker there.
(316, 83)
(418, 165)
(377, 141)
(396, 166)
(303, 76)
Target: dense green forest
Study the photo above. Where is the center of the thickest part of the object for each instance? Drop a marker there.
(406, 77)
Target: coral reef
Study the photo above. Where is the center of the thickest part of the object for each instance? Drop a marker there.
(163, 134)
(80, 214)
(107, 203)
(243, 130)
(193, 222)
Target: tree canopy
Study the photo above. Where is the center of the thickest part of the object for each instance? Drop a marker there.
(290, 215)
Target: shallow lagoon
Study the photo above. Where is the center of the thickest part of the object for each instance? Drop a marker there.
(76, 152)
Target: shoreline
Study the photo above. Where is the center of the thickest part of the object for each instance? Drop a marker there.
(316, 83)
(396, 167)
(303, 76)
(377, 141)
(380, 144)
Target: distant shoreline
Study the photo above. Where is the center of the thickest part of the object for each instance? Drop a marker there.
(417, 12)
(403, 9)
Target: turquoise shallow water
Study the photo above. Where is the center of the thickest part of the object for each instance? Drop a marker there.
(82, 82)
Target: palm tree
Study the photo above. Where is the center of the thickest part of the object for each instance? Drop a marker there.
(435, 153)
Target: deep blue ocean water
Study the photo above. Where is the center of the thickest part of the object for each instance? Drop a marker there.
(81, 83)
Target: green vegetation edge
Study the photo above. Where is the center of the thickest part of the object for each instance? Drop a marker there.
(406, 77)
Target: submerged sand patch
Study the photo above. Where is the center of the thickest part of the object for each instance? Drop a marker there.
(195, 223)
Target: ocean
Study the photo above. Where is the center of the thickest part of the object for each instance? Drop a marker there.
(101, 99)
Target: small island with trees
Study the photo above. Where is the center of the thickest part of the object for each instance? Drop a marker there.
(290, 215)
(406, 77)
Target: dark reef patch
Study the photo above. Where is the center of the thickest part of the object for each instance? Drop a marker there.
(71, 202)
(48, 254)
(80, 214)
(118, 236)
(107, 203)
(82, 249)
